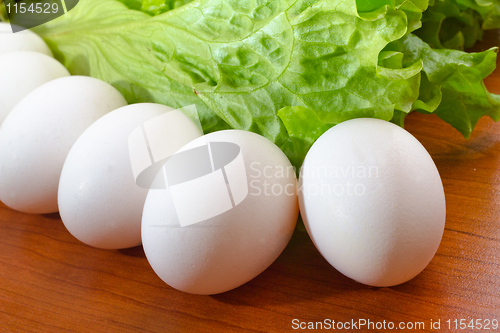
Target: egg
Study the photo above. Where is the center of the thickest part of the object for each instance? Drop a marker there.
(100, 202)
(228, 209)
(372, 201)
(37, 135)
(23, 72)
(24, 40)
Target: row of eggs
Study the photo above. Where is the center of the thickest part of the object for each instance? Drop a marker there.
(64, 146)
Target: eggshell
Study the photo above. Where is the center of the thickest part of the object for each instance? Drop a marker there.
(24, 40)
(99, 201)
(23, 72)
(372, 201)
(38, 134)
(229, 249)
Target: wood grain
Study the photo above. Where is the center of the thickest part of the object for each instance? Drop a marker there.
(50, 282)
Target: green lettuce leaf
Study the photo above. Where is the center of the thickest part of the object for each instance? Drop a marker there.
(332, 68)
(241, 62)
(157, 7)
(154, 7)
(3, 12)
(123, 49)
(453, 86)
(488, 9)
(288, 70)
(446, 24)
(304, 127)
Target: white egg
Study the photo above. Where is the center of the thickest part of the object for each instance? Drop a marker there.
(372, 201)
(23, 72)
(99, 201)
(37, 135)
(21, 41)
(226, 215)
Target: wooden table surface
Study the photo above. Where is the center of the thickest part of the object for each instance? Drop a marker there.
(50, 282)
